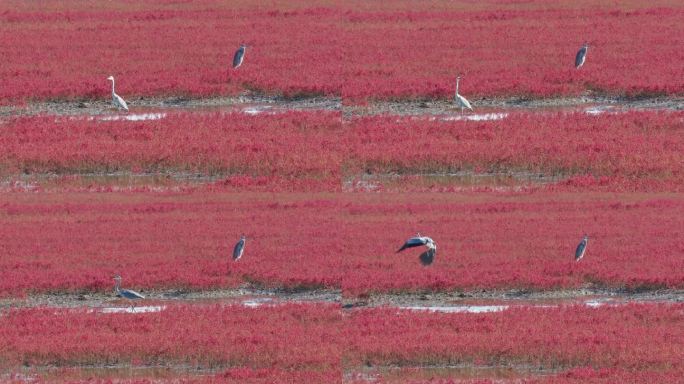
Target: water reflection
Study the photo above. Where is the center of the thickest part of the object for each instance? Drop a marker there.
(142, 309)
(459, 308)
(472, 117)
(131, 117)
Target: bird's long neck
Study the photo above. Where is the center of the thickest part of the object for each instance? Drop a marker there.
(457, 81)
(113, 87)
(116, 286)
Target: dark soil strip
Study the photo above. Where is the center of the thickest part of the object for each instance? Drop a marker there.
(463, 371)
(404, 299)
(273, 104)
(101, 299)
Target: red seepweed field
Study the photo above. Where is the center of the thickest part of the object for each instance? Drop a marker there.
(626, 340)
(355, 50)
(632, 151)
(326, 201)
(76, 241)
(333, 143)
(637, 342)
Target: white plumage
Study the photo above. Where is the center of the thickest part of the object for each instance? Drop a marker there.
(118, 101)
(460, 100)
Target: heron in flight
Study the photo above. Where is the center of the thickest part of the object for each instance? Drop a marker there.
(239, 56)
(239, 248)
(427, 257)
(125, 293)
(116, 99)
(581, 248)
(460, 100)
(581, 56)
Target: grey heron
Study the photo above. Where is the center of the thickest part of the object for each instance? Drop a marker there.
(581, 56)
(239, 248)
(239, 56)
(427, 257)
(460, 100)
(581, 248)
(125, 293)
(116, 99)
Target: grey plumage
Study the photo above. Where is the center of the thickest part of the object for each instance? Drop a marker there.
(239, 248)
(427, 257)
(125, 293)
(581, 248)
(239, 56)
(413, 242)
(581, 55)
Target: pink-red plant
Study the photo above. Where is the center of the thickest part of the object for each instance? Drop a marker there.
(633, 337)
(75, 241)
(631, 151)
(288, 337)
(291, 341)
(356, 50)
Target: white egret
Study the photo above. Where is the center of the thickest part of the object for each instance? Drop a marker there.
(460, 100)
(116, 99)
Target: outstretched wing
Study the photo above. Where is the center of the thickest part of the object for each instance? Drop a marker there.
(579, 59)
(239, 55)
(427, 257)
(412, 242)
(239, 249)
(581, 248)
